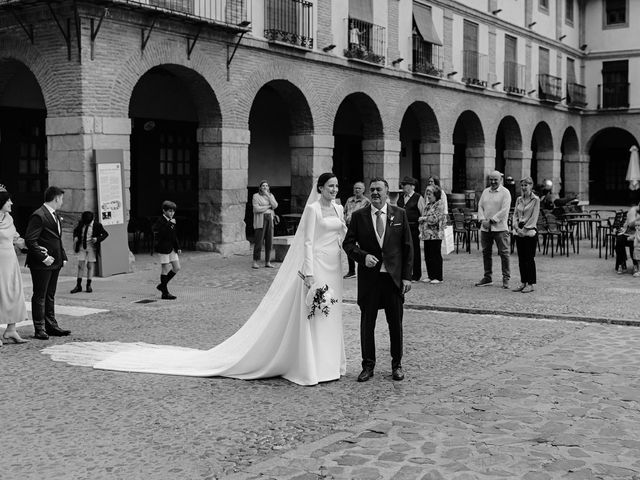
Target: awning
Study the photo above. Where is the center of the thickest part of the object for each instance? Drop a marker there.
(361, 9)
(424, 23)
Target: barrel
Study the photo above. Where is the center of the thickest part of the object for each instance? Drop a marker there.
(470, 198)
(456, 200)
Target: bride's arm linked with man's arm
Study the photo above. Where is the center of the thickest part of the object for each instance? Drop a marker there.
(309, 233)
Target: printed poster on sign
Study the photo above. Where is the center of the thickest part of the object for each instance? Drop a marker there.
(110, 194)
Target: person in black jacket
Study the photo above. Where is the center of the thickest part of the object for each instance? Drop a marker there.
(87, 237)
(167, 246)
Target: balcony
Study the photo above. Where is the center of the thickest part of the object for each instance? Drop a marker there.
(613, 95)
(475, 68)
(576, 95)
(227, 12)
(289, 21)
(366, 42)
(427, 58)
(549, 88)
(514, 78)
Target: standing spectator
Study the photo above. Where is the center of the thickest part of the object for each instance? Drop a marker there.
(625, 238)
(525, 219)
(432, 223)
(510, 184)
(168, 248)
(12, 306)
(356, 202)
(493, 213)
(433, 180)
(636, 243)
(87, 237)
(45, 258)
(413, 204)
(354, 37)
(264, 204)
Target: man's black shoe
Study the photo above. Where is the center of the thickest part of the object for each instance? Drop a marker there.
(349, 275)
(76, 289)
(57, 332)
(397, 374)
(41, 335)
(365, 375)
(168, 296)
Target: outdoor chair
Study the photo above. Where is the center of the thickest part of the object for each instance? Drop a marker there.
(609, 232)
(473, 229)
(554, 231)
(460, 232)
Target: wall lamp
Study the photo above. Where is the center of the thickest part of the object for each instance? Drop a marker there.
(244, 23)
(494, 85)
(497, 11)
(328, 48)
(397, 61)
(451, 74)
(562, 37)
(583, 47)
(532, 24)
(532, 91)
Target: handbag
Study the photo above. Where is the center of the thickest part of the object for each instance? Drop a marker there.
(447, 240)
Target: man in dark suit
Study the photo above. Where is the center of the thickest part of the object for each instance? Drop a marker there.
(379, 240)
(45, 258)
(414, 204)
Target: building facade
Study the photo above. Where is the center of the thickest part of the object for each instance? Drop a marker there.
(208, 97)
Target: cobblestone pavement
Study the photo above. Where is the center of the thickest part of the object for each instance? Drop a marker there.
(486, 396)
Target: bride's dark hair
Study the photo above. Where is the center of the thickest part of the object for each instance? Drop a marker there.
(324, 178)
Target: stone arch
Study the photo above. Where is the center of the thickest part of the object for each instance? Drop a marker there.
(469, 166)
(570, 171)
(543, 162)
(508, 144)
(205, 82)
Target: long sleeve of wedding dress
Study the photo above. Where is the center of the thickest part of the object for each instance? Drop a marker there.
(277, 340)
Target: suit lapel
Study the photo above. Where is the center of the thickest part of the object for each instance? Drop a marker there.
(52, 220)
(387, 231)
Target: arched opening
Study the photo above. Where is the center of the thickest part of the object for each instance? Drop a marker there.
(467, 137)
(542, 154)
(357, 121)
(418, 128)
(609, 159)
(570, 150)
(509, 148)
(168, 105)
(279, 113)
(23, 139)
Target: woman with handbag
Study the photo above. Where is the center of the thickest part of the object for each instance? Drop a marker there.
(525, 219)
(264, 204)
(431, 225)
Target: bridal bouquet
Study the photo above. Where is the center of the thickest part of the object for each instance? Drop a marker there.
(320, 298)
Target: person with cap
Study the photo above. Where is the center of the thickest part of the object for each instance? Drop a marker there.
(510, 184)
(493, 213)
(525, 220)
(413, 203)
(264, 205)
(355, 202)
(167, 247)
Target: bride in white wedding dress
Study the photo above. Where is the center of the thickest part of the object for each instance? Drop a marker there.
(278, 339)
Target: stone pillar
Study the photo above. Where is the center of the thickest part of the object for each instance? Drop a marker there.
(223, 176)
(517, 163)
(528, 67)
(481, 162)
(311, 155)
(576, 175)
(437, 159)
(493, 75)
(70, 145)
(381, 158)
(549, 167)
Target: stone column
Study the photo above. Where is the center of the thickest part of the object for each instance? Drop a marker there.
(576, 175)
(481, 162)
(311, 155)
(381, 158)
(518, 163)
(437, 159)
(71, 165)
(549, 167)
(223, 176)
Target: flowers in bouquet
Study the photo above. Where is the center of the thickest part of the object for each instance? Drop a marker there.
(320, 298)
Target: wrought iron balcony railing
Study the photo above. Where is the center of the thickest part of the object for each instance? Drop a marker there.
(366, 41)
(514, 78)
(427, 57)
(549, 88)
(576, 95)
(475, 68)
(289, 21)
(613, 95)
(230, 12)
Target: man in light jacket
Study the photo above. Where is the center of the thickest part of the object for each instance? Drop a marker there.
(493, 213)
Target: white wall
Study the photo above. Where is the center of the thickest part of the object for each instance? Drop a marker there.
(512, 11)
(546, 19)
(339, 15)
(611, 38)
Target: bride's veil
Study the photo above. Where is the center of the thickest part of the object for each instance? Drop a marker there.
(254, 351)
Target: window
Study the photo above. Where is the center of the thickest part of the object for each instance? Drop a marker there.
(615, 84)
(571, 70)
(568, 11)
(615, 12)
(543, 5)
(543, 61)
